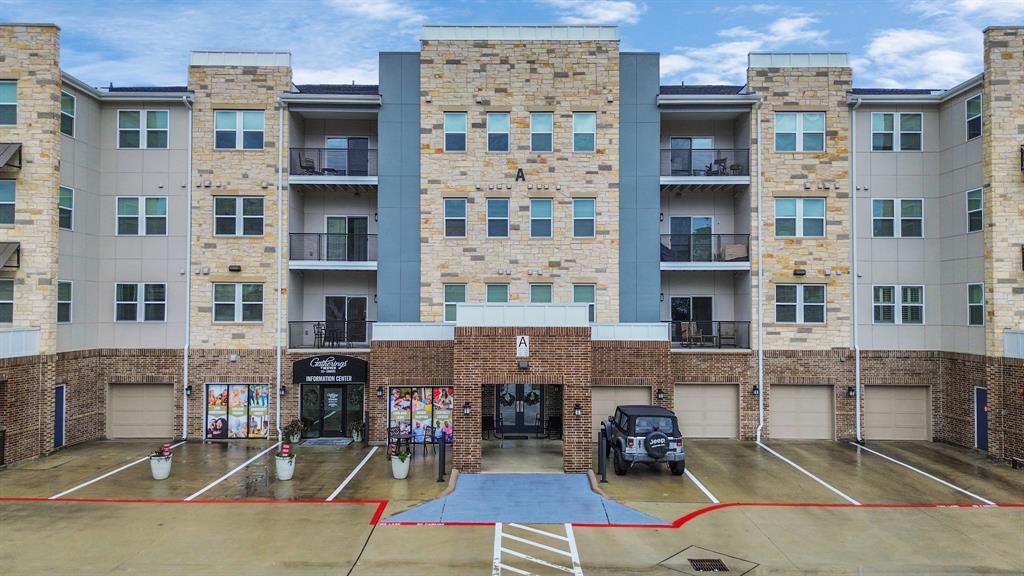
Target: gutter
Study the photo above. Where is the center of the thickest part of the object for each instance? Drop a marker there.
(677, 99)
(760, 281)
(359, 99)
(854, 271)
(188, 281)
(280, 248)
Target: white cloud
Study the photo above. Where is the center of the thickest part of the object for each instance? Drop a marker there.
(382, 11)
(597, 11)
(1003, 11)
(364, 72)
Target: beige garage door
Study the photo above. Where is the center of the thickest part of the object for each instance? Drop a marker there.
(708, 410)
(801, 412)
(896, 413)
(140, 411)
(606, 398)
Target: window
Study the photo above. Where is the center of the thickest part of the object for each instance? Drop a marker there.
(583, 217)
(238, 302)
(454, 131)
(883, 131)
(799, 131)
(63, 302)
(8, 103)
(7, 201)
(453, 294)
(455, 217)
(800, 303)
(238, 129)
(66, 208)
(540, 293)
(910, 131)
(497, 293)
(238, 216)
(911, 304)
(129, 298)
(973, 105)
(975, 213)
(497, 217)
(540, 218)
(497, 131)
(6, 301)
(584, 131)
(884, 304)
(800, 217)
(132, 124)
(67, 114)
(584, 294)
(886, 212)
(976, 304)
(141, 215)
(541, 129)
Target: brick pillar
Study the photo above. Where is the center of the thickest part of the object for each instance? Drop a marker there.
(996, 406)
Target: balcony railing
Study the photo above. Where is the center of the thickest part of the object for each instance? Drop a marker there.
(329, 334)
(705, 247)
(333, 247)
(332, 162)
(708, 162)
(710, 334)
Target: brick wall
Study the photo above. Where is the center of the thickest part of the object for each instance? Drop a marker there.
(722, 368)
(647, 364)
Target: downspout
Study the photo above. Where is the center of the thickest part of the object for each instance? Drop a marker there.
(760, 282)
(188, 280)
(854, 269)
(280, 247)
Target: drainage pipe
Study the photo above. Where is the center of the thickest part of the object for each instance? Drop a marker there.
(280, 244)
(854, 269)
(760, 280)
(188, 279)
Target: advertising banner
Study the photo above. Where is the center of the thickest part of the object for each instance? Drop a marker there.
(217, 411)
(238, 399)
(399, 410)
(444, 403)
(422, 413)
(422, 409)
(259, 410)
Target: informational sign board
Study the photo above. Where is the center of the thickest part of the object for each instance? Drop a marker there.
(522, 346)
(329, 370)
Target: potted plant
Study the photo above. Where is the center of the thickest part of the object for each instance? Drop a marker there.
(160, 462)
(285, 461)
(293, 430)
(400, 464)
(357, 433)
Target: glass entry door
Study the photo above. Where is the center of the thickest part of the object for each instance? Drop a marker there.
(331, 410)
(691, 156)
(691, 317)
(347, 238)
(344, 156)
(344, 320)
(520, 408)
(691, 239)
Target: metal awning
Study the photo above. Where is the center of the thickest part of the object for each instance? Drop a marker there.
(10, 255)
(10, 155)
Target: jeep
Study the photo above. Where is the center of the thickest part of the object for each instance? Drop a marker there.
(648, 434)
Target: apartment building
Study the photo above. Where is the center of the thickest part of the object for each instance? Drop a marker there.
(518, 228)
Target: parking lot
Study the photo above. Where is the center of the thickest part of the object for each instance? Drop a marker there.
(780, 507)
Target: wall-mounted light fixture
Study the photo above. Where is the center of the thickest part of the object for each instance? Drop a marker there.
(660, 394)
(374, 298)
(523, 363)
(284, 390)
(380, 391)
(374, 216)
(234, 268)
(851, 392)
(188, 390)
(661, 217)
(756, 390)
(662, 297)
(467, 409)
(799, 272)
(577, 410)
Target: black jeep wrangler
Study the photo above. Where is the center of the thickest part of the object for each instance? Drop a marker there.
(648, 434)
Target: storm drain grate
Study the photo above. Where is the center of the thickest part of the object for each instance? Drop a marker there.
(708, 565)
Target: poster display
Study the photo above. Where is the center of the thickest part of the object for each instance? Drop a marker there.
(217, 411)
(444, 403)
(421, 412)
(238, 404)
(237, 411)
(259, 410)
(399, 413)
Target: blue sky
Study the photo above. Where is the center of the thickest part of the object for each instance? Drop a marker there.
(910, 43)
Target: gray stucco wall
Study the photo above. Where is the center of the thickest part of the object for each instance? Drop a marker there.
(639, 186)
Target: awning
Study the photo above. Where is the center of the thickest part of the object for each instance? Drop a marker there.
(10, 254)
(10, 155)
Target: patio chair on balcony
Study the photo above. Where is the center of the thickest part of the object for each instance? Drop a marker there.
(307, 164)
(727, 334)
(318, 335)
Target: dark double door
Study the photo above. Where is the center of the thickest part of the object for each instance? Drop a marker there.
(520, 408)
(331, 410)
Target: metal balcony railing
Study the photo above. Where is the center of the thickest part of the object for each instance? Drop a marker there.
(329, 334)
(705, 247)
(333, 247)
(332, 162)
(707, 162)
(710, 334)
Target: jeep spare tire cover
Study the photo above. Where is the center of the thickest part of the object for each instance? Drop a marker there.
(656, 444)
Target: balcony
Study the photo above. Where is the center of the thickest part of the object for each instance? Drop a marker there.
(705, 251)
(316, 251)
(705, 167)
(332, 166)
(712, 334)
(328, 334)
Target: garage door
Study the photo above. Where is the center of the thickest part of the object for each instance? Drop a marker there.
(708, 411)
(896, 413)
(606, 398)
(801, 412)
(140, 411)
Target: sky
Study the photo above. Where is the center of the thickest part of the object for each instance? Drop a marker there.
(892, 44)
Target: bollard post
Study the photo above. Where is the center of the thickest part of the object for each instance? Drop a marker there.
(440, 458)
(602, 455)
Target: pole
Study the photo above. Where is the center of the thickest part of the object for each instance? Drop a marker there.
(440, 457)
(602, 455)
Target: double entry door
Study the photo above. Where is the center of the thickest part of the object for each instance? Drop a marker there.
(347, 238)
(691, 317)
(346, 156)
(520, 408)
(691, 238)
(344, 320)
(691, 156)
(331, 410)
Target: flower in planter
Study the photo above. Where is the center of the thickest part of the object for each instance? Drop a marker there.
(285, 451)
(294, 427)
(163, 451)
(402, 455)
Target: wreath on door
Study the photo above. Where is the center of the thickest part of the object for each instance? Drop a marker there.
(507, 399)
(532, 398)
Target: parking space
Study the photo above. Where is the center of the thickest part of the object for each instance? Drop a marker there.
(70, 467)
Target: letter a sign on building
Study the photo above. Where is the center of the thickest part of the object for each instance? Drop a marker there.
(522, 346)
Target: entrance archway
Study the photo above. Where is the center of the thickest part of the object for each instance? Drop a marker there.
(522, 427)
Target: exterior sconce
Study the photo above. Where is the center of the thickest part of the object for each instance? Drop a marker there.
(188, 390)
(577, 410)
(662, 297)
(851, 392)
(374, 298)
(756, 391)
(467, 409)
(661, 217)
(234, 268)
(660, 394)
(799, 272)
(284, 390)
(374, 216)
(380, 391)
(523, 363)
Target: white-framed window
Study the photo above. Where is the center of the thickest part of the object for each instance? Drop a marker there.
(800, 303)
(583, 211)
(64, 300)
(887, 212)
(800, 217)
(542, 126)
(911, 304)
(455, 217)
(454, 131)
(584, 131)
(896, 131)
(238, 129)
(453, 294)
(586, 294)
(6, 300)
(8, 102)
(497, 293)
(497, 217)
(67, 114)
(238, 302)
(973, 109)
(497, 131)
(141, 215)
(975, 304)
(883, 304)
(7, 197)
(142, 129)
(540, 293)
(238, 216)
(140, 302)
(66, 208)
(975, 210)
(540, 218)
(799, 131)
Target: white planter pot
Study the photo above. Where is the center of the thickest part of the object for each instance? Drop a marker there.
(160, 466)
(296, 438)
(356, 436)
(399, 469)
(285, 467)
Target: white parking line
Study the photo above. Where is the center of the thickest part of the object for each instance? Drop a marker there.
(228, 475)
(701, 486)
(499, 564)
(540, 532)
(927, 475)
(111, 473)
(351, 476)
(812, 476)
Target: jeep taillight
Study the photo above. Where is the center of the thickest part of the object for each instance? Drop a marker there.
(630, 442)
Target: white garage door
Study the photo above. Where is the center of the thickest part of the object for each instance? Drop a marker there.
(140, 411)
(606, 398)
(801, 412)
(896, 413)
(708, 410)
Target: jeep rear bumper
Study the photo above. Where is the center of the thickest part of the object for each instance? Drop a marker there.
(644, 457)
